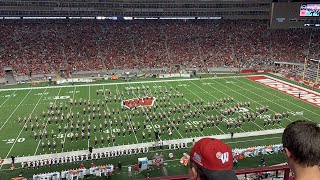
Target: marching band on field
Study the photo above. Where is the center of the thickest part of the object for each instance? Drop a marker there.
(97, 117)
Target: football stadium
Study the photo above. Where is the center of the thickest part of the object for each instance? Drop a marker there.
(96, 89)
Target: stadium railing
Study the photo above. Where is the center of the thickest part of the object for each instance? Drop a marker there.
(275, 169)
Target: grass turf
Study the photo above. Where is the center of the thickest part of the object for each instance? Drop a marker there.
(14, 140)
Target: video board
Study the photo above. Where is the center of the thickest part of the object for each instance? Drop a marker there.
(309, 10)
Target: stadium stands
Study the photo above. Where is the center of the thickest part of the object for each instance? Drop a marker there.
(44, 48)
(1, 74)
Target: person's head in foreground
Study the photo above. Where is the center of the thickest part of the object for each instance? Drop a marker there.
(301, 141)
(211, 159)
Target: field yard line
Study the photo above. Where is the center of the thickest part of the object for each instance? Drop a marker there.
(8, 98)
(214, 97)
(254, 140)
(89, 114)
(14, 110)
(111, 132)
(149, 144)
(284, 93)
(65, 134)
(167, 117)
(89, 92)
(245, 97)
(203, 114)
(295, 85)
(23, 126)
(137, 82)
(129, 120)
(202, 99)
(273, 101)
(225, 94)
(46, 125)
(154, 129)
(190, 103)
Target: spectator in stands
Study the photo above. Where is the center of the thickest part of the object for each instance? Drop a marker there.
(301, 141)
(211, 159)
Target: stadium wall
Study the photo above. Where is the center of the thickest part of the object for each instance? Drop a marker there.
(229, 9)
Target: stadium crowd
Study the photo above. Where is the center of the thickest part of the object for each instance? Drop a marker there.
(44, 48)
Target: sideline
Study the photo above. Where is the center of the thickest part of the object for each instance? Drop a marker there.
(118, 83)
(148, 144)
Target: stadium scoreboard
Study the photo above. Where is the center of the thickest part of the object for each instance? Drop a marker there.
(309, 10)
(286, 15)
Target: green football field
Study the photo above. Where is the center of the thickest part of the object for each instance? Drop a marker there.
(15, 140)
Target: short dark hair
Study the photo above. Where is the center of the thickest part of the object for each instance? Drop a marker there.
(200, 172)
(302, 139)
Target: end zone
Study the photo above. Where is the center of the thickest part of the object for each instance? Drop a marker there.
(306, 95)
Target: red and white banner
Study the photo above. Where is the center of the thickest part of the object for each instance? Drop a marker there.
(306, 95)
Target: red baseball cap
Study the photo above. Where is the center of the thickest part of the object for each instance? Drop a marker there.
(215, 159)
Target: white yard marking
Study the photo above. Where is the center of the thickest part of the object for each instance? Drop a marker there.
(167, 118)
(191, 104)
(242, 96)
(254, 140)
(65, 134)
(226, 95)
(35, 152)
(8, 98)
(110, 127)
(14, 111)
(285, 93)
(128, 117)
(275, 102)
(23, 126)
(137, 82)
(89, 92)
(251, 100)
(202, 99)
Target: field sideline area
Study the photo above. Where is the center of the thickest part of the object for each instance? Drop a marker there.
(17, 141)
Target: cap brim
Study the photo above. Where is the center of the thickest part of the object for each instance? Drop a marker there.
(220, 175)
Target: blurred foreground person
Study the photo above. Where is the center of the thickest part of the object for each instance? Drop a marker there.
(301, 141)
(211, 159)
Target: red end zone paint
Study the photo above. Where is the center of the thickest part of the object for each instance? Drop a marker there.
(305, 95)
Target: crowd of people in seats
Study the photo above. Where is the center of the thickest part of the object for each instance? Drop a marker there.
(81, 47)
(2, 74)
(44, 48)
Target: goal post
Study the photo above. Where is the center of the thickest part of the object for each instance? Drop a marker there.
(311, 70)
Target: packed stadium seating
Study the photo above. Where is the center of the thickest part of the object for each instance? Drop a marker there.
(1, 74)
(44, 48)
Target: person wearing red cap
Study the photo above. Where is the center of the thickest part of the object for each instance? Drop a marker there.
(211, 159)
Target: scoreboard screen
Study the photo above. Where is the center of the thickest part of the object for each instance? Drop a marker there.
(308, 10)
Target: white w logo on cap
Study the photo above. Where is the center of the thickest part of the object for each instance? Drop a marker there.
(224, 157)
